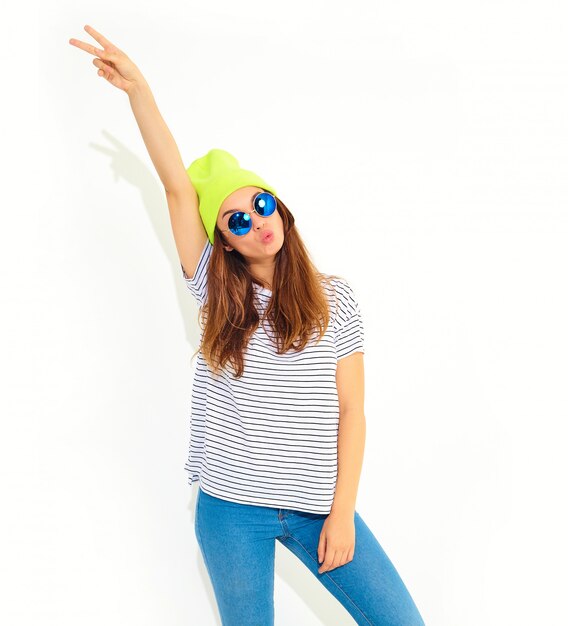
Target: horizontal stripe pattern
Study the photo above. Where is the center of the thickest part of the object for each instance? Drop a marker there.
(270, 437)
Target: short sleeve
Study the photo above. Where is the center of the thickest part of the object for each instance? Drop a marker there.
(197, 284)
(349, 332)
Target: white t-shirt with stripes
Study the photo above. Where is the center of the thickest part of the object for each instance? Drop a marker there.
(270, 437)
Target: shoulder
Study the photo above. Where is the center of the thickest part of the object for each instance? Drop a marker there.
(338, 286)
(341, 295)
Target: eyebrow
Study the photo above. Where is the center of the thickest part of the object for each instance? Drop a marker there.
(233, 210)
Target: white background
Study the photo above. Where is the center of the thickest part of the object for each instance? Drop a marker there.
(422, 148)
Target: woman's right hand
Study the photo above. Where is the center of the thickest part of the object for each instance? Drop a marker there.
(113, 64)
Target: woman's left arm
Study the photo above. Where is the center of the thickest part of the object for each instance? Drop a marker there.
(350, 379)
(337, 539)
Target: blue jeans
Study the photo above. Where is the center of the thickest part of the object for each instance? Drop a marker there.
(238, 548)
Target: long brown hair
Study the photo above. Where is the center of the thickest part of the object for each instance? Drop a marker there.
(298, 306)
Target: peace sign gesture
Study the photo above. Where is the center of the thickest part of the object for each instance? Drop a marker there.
(113, 64)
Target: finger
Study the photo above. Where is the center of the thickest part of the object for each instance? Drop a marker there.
(337, 559)
(105, 43)
(329, 556)
(87, 47)
(344, 558)
(106, 69)
(102, 65)
(321, 549)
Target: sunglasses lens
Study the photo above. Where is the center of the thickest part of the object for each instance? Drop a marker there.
(240, 223)
(265, 204)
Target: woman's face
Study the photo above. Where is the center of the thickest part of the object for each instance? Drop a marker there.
(251, 245)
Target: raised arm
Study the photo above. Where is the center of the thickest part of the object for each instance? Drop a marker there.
(117, 68)
(188, 230)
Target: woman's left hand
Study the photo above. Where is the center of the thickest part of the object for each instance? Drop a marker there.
(337, 541)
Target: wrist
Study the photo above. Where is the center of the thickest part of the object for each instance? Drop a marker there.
(342, 510)
(139, 87)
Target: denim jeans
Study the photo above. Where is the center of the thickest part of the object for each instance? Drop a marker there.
(238, 548)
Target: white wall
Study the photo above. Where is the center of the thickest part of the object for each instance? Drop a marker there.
(434, 134)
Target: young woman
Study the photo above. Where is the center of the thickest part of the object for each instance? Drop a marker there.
(277, 423)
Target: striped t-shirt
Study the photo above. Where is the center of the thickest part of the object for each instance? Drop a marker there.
(270, 437)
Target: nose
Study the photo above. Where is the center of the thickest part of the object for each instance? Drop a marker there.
(258, 221)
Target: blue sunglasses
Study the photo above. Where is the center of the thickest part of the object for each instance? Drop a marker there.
(264, 204)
